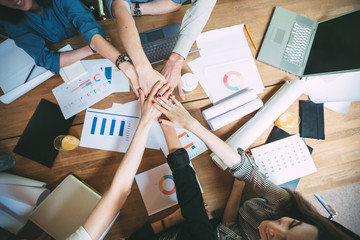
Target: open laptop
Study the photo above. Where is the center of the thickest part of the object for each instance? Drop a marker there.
(159, 43)
(302, 46)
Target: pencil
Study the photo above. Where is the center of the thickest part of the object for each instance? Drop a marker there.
(27, 78)
(247, 30)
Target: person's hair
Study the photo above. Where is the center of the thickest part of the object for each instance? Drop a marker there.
(304, 211)
(15, 15)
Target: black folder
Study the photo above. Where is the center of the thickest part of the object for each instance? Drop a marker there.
(312, 120)
(36, 142)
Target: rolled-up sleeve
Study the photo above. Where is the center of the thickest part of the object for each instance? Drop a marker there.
(192, 24)
(247, 171)
(82, 19)
(35, 46)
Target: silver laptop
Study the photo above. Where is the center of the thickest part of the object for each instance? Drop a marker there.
(159, 43)
(302, 46)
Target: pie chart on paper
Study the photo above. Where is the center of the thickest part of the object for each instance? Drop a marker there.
(233, 80)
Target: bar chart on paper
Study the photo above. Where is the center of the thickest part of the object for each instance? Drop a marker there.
(108, 130)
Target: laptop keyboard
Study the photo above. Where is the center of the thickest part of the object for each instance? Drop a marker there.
(298, 42)
(157, 52)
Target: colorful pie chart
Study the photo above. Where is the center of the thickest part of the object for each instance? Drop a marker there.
(167, 185)
(233, 80)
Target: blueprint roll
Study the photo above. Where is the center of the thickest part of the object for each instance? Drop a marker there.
(235, 114)
(271, 110)
(239, 99)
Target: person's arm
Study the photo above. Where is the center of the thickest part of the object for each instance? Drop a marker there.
(110, 204)
(179, 117)
(159, 7)
(233, 203)
(130, 39)
(192, 24)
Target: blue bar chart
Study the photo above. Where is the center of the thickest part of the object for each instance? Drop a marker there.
(108, 130)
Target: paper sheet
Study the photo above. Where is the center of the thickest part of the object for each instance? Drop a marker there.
(284, 160)
(227, 68)
(108, 130)
(257, 125)
(192, 144)
(116, 78)
(157, 188)
(81, 94)
(235, 114)
(341, 87)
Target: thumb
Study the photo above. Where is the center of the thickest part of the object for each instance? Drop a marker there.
(166, 122)
(181, 93)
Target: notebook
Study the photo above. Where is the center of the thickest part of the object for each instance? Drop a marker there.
(66, 208)
(159, 43)
(36, 142)
(302, 46)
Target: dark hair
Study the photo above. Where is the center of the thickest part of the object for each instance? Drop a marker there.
(303, 211)
(15, 15)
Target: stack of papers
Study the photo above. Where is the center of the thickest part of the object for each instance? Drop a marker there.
(18, 198)
(226, 64)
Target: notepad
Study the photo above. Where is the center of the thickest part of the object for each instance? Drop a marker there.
(66, 208)
(36, 142)
(72, 72)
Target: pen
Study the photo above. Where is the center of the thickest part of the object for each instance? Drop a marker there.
(30, 73)
(247, 30)
(194, 51)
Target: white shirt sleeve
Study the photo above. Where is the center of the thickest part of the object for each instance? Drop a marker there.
(80, 234)
(192, 24)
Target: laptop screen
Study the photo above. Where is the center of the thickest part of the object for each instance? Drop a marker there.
(336, 45)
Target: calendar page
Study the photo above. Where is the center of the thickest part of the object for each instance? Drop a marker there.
(284, 160)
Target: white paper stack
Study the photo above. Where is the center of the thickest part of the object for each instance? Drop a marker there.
(72, 72)
(227, 68)
(18, 198)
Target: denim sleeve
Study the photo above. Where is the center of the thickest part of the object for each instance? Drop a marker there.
(82, 19)
(35, 46)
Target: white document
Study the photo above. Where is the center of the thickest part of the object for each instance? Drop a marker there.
(158, 189)
(15, 66)
(116, 78)
(340, 107)
(340, 87)
(72, 72)
(284, 160)
(227, 62)
(133, 109)
(108, 130)
(192, 144)
(81, 94)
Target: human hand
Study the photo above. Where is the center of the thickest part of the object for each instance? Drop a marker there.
(130, 72)
(148, 77)
(149, 113)
(178, 116)
(172, 72)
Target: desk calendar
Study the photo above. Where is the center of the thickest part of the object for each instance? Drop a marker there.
(284, 160)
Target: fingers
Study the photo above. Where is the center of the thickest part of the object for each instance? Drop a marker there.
(167, 87)
(141, 97)
(165, 103)
(155, 88)
(166, 122)
(180, 91)
(160, 108)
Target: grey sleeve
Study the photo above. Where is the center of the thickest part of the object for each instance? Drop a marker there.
(192, 24)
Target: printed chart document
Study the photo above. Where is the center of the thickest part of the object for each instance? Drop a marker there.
(15, 67)
(227, 68)
(81, 94)
(192, 144)
(157, 188)
(284, 160)
(116, 78)
(108, 130)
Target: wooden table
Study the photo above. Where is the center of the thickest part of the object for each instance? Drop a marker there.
(337, 158)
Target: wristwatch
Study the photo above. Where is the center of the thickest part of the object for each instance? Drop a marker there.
(122, 58)
(137, 10)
